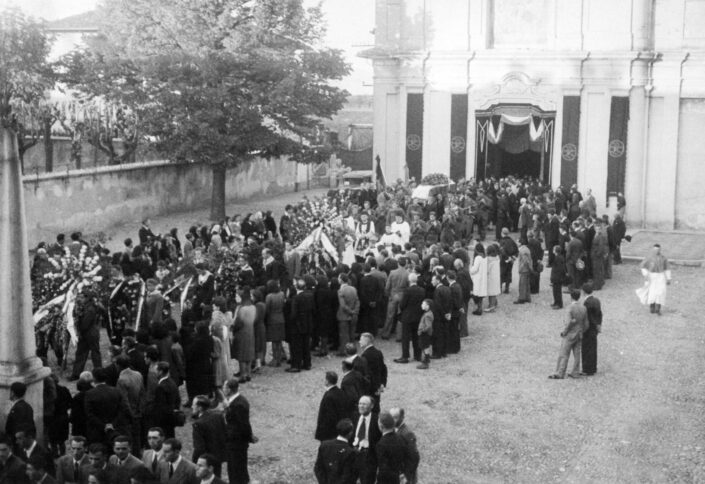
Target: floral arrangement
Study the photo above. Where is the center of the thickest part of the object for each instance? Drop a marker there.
(53, 292)
(310, 214)
(435, 179)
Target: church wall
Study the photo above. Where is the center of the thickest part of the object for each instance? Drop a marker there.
(690, 193)
(651, 51)
(656, 200)
(447, 25)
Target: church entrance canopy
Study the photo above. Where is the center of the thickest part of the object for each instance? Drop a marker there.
(514, 139)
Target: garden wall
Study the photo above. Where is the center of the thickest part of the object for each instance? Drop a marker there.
(95, 199)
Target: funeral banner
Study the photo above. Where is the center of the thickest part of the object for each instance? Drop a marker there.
(617, 147)
(414, 134)
(458, 133)
(570, 140)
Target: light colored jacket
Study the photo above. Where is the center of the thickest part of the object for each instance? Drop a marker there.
(348, 303)
(494, 286)
(478, 273)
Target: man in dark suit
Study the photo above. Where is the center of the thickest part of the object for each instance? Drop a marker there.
(98, 461)
(68, 467)
(238, 432)
(154, 454)
(456, 294)
(37, 471)
(166, 400)
(409, 439)
(333, 408)
(107, 411)
(371, 295)
(392, 452)
(204, 290)
(29, 448)
(410, 307)
(376, 367)
(558, 276)
(353, 385)
(442, 309)
(574, 252)
(123, 459)
(365, 438)
(553, 234)
(208, 433)
(136, 356)
(131, 384)
(205, 469)
(88, 336)
(175, 469)
(335, 463)
(21, 416)
(599, 252)
(620, 231)
(12, 469)
(302, 310)
(589, 342)
(145, 233)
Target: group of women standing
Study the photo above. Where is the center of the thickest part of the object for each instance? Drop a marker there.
(485, 274)
(240, 335)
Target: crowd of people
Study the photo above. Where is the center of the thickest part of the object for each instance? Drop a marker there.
(359, 264)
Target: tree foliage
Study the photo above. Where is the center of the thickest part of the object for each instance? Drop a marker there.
(214, 80)
(25, 73)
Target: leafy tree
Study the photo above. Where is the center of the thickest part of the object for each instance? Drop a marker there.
(216, 81)
(25, 76)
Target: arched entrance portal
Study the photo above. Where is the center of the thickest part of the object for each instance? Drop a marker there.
(514, 139)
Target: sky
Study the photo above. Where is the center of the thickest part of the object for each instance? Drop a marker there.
(350, 23)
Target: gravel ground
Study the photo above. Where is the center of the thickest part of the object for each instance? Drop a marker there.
(490, 414)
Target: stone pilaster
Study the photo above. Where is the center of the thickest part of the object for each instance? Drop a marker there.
(17, 345)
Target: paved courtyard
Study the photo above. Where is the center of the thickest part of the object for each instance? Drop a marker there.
(682, 247)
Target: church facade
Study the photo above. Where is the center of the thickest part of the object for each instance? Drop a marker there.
(605, 94)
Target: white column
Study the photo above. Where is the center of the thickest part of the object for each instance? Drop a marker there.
(471, 142)
(396, 170)
(557, 143)
(594, 139)
(634, 177)
(641, 24)
(436, 136)
(17, 345)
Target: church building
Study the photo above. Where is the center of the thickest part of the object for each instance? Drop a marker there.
(605, 94)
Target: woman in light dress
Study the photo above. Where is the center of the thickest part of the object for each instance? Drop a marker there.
(244, 331)
(220, 329)
(524, 263)
(494, 286)
(274, 321)
(478, 273)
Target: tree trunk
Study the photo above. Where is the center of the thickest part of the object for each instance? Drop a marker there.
(48, 147)
(218, 192)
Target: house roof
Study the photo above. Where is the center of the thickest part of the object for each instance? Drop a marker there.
(82, 22)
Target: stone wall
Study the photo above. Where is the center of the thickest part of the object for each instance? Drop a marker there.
(102, 197)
